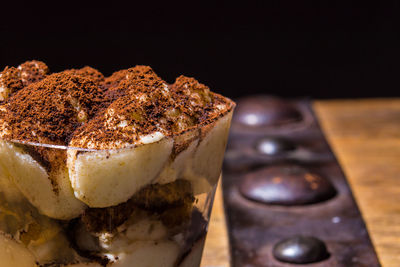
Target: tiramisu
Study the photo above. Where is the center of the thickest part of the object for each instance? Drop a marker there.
(106, 171)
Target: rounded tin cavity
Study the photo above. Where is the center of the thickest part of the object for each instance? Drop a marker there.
(300, 250)
(287, 185)
(272, 146)
(265, 111)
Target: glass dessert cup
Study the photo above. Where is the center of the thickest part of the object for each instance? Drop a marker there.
(146, 205)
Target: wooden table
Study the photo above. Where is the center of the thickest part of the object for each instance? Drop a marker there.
(365, 136)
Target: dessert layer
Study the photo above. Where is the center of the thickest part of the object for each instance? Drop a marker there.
(81, 108)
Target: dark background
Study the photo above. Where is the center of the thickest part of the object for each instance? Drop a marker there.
(285, 48)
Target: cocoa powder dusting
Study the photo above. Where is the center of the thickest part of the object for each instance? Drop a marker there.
(33, 71)
(50, 110)
(10, 82)
(14, 79)
(139, 104)
(81, 108)
(146, 104)
(113, 81)
(88, 72)
(130, 80)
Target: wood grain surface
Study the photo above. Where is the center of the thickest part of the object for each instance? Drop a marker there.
(365, 136)
(216, 250)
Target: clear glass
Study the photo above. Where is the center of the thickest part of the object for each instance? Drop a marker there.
(137, 206)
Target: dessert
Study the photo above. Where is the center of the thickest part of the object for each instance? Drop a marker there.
(13, 79)
(107, 171)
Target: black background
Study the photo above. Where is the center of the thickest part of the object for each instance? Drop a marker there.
(285, 48)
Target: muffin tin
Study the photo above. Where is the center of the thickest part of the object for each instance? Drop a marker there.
(286, 198)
